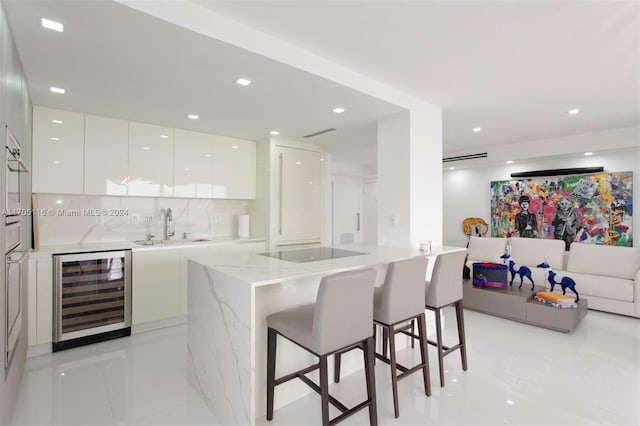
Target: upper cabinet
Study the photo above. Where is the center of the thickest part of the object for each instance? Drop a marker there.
(150, 160)
(87, 154)
(58, 151)
(193, 165)
(234, 168)
(106, 153)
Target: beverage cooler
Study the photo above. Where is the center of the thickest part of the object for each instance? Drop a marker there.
(92, 294)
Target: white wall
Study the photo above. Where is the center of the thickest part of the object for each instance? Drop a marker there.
(466, 192)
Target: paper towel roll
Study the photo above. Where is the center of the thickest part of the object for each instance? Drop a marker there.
(243, 226)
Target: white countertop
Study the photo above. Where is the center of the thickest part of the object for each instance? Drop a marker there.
(262, 270)
(126, 245)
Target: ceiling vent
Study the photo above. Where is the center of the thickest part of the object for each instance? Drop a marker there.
(465, 157)
(321, 132)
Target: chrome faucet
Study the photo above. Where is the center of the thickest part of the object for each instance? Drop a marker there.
(168, 224)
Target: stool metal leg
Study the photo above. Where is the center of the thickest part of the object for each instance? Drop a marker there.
(440, 349)
(424, 352)
(461, 336)
(324, 390)
(336, 367)
(394, 368)
(369, 350)
(271, 370)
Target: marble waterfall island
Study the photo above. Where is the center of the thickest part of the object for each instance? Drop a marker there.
(230, 296)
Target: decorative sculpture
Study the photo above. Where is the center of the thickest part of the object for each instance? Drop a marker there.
(564, 281)
(521, 270)
(475, 226)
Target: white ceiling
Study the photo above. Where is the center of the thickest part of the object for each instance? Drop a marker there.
(512, 68)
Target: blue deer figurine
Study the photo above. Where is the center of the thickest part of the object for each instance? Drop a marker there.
(564, 281)
(521, 270)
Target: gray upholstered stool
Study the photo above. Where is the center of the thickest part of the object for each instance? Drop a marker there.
(444, 289)
(400, 300)
(341, 318)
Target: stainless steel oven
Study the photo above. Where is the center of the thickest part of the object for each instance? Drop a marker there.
(13, 287)
(14, 167)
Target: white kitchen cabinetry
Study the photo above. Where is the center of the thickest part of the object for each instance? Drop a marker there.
(234, 168)
(106, 153)
(150, 160)
(58, 151)
(297, 175)
(155, 285)
(193, 164)
(40, 300)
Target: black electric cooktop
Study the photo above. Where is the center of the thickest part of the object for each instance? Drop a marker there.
(311, 254)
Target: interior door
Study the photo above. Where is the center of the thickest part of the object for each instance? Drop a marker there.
(370, 213)
(347, 209)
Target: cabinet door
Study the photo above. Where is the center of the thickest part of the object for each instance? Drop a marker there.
(44, 300)
(58, 151)
(155, 285)
(193, 165)
(234, 168)
(299, 176)
(106, 155)
(150, 160)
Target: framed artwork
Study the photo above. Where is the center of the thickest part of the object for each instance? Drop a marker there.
(595, 208)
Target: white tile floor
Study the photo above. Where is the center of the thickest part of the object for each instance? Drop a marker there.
(518, 374)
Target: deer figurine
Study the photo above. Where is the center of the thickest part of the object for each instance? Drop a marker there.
(521, 270)
(564, 281)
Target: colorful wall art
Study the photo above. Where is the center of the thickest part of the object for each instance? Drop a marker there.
(595, 208)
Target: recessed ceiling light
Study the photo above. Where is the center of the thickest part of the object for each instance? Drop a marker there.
(146, 148)
(234, 146)
(322, 159)
(338, 110)
(452, 168)
(588, 153)
(298, 162)
(193, 116)
(56, 90)
(58, 201)
(509, 161)
(55, 139)
(573, 111)
(243, 81)
(164, 136)
(56, 121)
(52, 25)
(56, 162)
(477, 129)
(208, 155)
(274, 132)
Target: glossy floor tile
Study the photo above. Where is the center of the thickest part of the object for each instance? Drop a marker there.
(518, 374)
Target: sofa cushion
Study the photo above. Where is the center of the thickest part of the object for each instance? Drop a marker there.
(532, 251)
(599, 286)
(488, 249)
(609, 261)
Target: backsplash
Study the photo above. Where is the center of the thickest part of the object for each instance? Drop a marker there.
(72, 219)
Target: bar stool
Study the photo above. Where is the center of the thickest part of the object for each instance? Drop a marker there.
(400, 300)
(444, 289)
(340, 319)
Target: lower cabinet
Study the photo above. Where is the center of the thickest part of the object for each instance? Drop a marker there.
(155, 285)
(40, 300)
(159, 285)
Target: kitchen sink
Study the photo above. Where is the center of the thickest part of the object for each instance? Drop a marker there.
(169, 242)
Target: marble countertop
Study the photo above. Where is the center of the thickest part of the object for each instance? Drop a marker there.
(45, 251)
(262, 270)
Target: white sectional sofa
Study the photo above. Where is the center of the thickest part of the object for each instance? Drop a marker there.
(608, 276)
